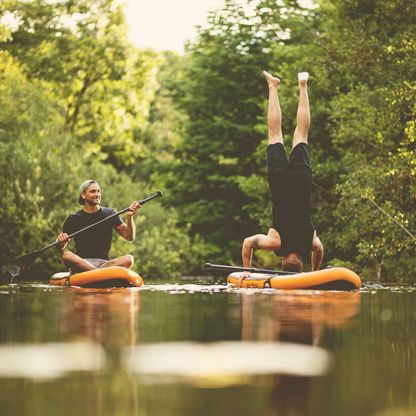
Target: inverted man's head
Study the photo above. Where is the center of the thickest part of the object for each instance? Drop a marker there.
(292, 263)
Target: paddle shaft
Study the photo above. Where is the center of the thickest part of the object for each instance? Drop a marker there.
(245, 269)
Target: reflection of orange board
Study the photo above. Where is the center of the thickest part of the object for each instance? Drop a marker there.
(105, 277)
(335, 278)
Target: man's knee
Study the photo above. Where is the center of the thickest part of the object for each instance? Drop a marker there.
(299, 139)
(66, 255)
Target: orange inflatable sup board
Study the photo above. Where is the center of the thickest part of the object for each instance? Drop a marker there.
(99, 278)
(335, 278)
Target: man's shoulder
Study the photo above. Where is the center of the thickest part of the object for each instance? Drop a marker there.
(73, 221)
(75, 215)
(108, 211)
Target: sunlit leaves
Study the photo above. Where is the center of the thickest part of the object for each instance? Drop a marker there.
(80, 49)
(373, 127)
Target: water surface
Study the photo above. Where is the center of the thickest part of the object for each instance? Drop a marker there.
(198, 349)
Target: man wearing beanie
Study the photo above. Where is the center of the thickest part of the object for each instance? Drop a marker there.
(92, 247)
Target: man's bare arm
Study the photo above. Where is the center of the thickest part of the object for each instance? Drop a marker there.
(249, 245)
(259, 241)
(128, 231)
(63, 239)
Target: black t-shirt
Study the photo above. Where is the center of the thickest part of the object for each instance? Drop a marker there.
(95, 242)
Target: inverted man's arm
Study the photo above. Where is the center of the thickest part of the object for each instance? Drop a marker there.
(261, 241)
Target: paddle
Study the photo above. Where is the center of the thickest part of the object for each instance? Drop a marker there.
(209, 266)
(20, 264)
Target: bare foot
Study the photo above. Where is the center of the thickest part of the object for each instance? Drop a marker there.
(271, 80)
(303, 78)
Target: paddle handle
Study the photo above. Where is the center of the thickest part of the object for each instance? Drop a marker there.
(209, 266)
(141, 202)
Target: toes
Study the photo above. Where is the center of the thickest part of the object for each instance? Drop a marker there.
(271, 79)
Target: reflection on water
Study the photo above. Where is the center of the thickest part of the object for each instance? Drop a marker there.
(300, 317)
(102, 315)
(297, 316)
(206, 349)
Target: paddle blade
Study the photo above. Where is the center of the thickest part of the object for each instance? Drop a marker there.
(20, 264)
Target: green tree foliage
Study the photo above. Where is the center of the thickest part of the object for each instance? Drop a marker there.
(81, 50)
(165, 121)
(370, 48)
(182, 251)
(35, 159)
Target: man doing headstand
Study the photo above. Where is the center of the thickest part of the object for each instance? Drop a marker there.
(292, 234)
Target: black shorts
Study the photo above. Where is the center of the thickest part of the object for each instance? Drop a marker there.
(96, 262)
(299, 160)
(290, 184)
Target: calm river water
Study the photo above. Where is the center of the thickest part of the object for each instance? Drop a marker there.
(191, 349)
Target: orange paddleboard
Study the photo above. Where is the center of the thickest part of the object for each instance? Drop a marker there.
(335, 278)
(99, 278)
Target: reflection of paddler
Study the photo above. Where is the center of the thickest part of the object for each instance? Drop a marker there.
(107, 317)
(110, 318)
(293, 316)
(296, 318)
